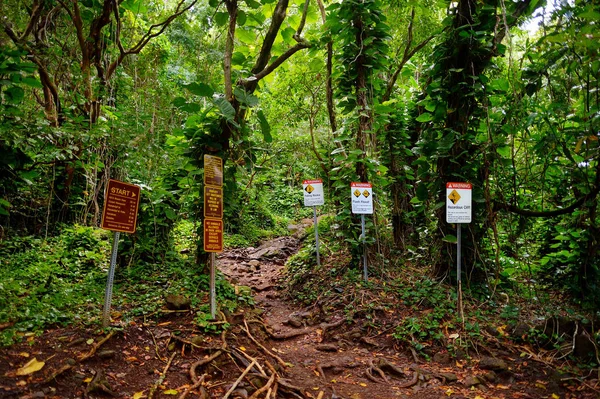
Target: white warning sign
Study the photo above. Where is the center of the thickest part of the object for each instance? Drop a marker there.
(362, 198)
(458, 202)
(313, 192)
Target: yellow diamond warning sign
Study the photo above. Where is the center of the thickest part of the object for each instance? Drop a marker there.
(362, 198)
(458, 202)
(313, 192)
(454, 196)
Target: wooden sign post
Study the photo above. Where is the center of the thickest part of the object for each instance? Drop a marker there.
(121, 203)
(213, 219)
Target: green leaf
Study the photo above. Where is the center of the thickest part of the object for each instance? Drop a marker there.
(253, 4)
(504, 151)
(422, 192)
(225, 108)
(179, 102)
(221, 18)
(265, 127)
(288, 35)
(32, 82)
(425, 117)
(238, 58)
(246, 36)
(170, 213)
(450, 238)
(245, 98)
(15, 94)
(241, 18)
(200, 89)
(190, 107)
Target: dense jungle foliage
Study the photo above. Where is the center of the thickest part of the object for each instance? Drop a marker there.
(407, 95)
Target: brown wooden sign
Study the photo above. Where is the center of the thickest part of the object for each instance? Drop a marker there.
(213, 235)
(213, 202)
(120, 207)
(213, 170)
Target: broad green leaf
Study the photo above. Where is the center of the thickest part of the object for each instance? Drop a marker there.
(245, 98)
(15, 94)
(190, 107)
(425, 117)
(422, 192)
(288, 35)
(245, 35)
(238, 58)
(170, 213)
(225, 108)
(504, 151)
(450, 238)
(252, 4)
(200, 89)
(241, 18)
(221, 18)
(31, 81)
(265, 127)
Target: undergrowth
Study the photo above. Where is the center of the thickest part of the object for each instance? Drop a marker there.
(62, 280)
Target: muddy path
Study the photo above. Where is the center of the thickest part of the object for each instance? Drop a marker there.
(273, 349)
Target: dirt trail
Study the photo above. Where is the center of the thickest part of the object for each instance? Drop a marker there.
(319, 363)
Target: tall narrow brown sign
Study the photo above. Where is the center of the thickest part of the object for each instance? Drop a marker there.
(213, 170)
(120, 207)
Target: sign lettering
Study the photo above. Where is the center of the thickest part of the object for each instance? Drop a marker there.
(120, 207)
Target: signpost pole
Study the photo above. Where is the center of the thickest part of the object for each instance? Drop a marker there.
(317, 235)
(364, 241)
(213, 287)
(458, 270)
(109, 283)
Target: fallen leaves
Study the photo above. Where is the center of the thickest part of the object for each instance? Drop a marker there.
(30, 367)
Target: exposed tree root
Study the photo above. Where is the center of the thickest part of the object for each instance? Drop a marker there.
(240, 378)
(265, 388)
(341, 363)
(268, 352)
(70, 363)
(162, 377)
(280, 336)
(380, 367)
(325, 327)
(412, 382)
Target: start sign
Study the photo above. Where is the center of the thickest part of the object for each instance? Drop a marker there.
(362, 198)
(120, 207)
(458, 202)
(313, 192)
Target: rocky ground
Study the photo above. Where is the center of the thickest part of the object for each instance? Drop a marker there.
(273, 349)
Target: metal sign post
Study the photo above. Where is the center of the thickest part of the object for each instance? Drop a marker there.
(364, 241)
(362, 204)
(213, 286)
(109, 282)
(316, 222)
(119, 215)
(313, 196)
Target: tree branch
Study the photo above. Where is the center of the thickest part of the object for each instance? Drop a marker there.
(149, 35)
(497, 206)
(232, 10)
(408, 54)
